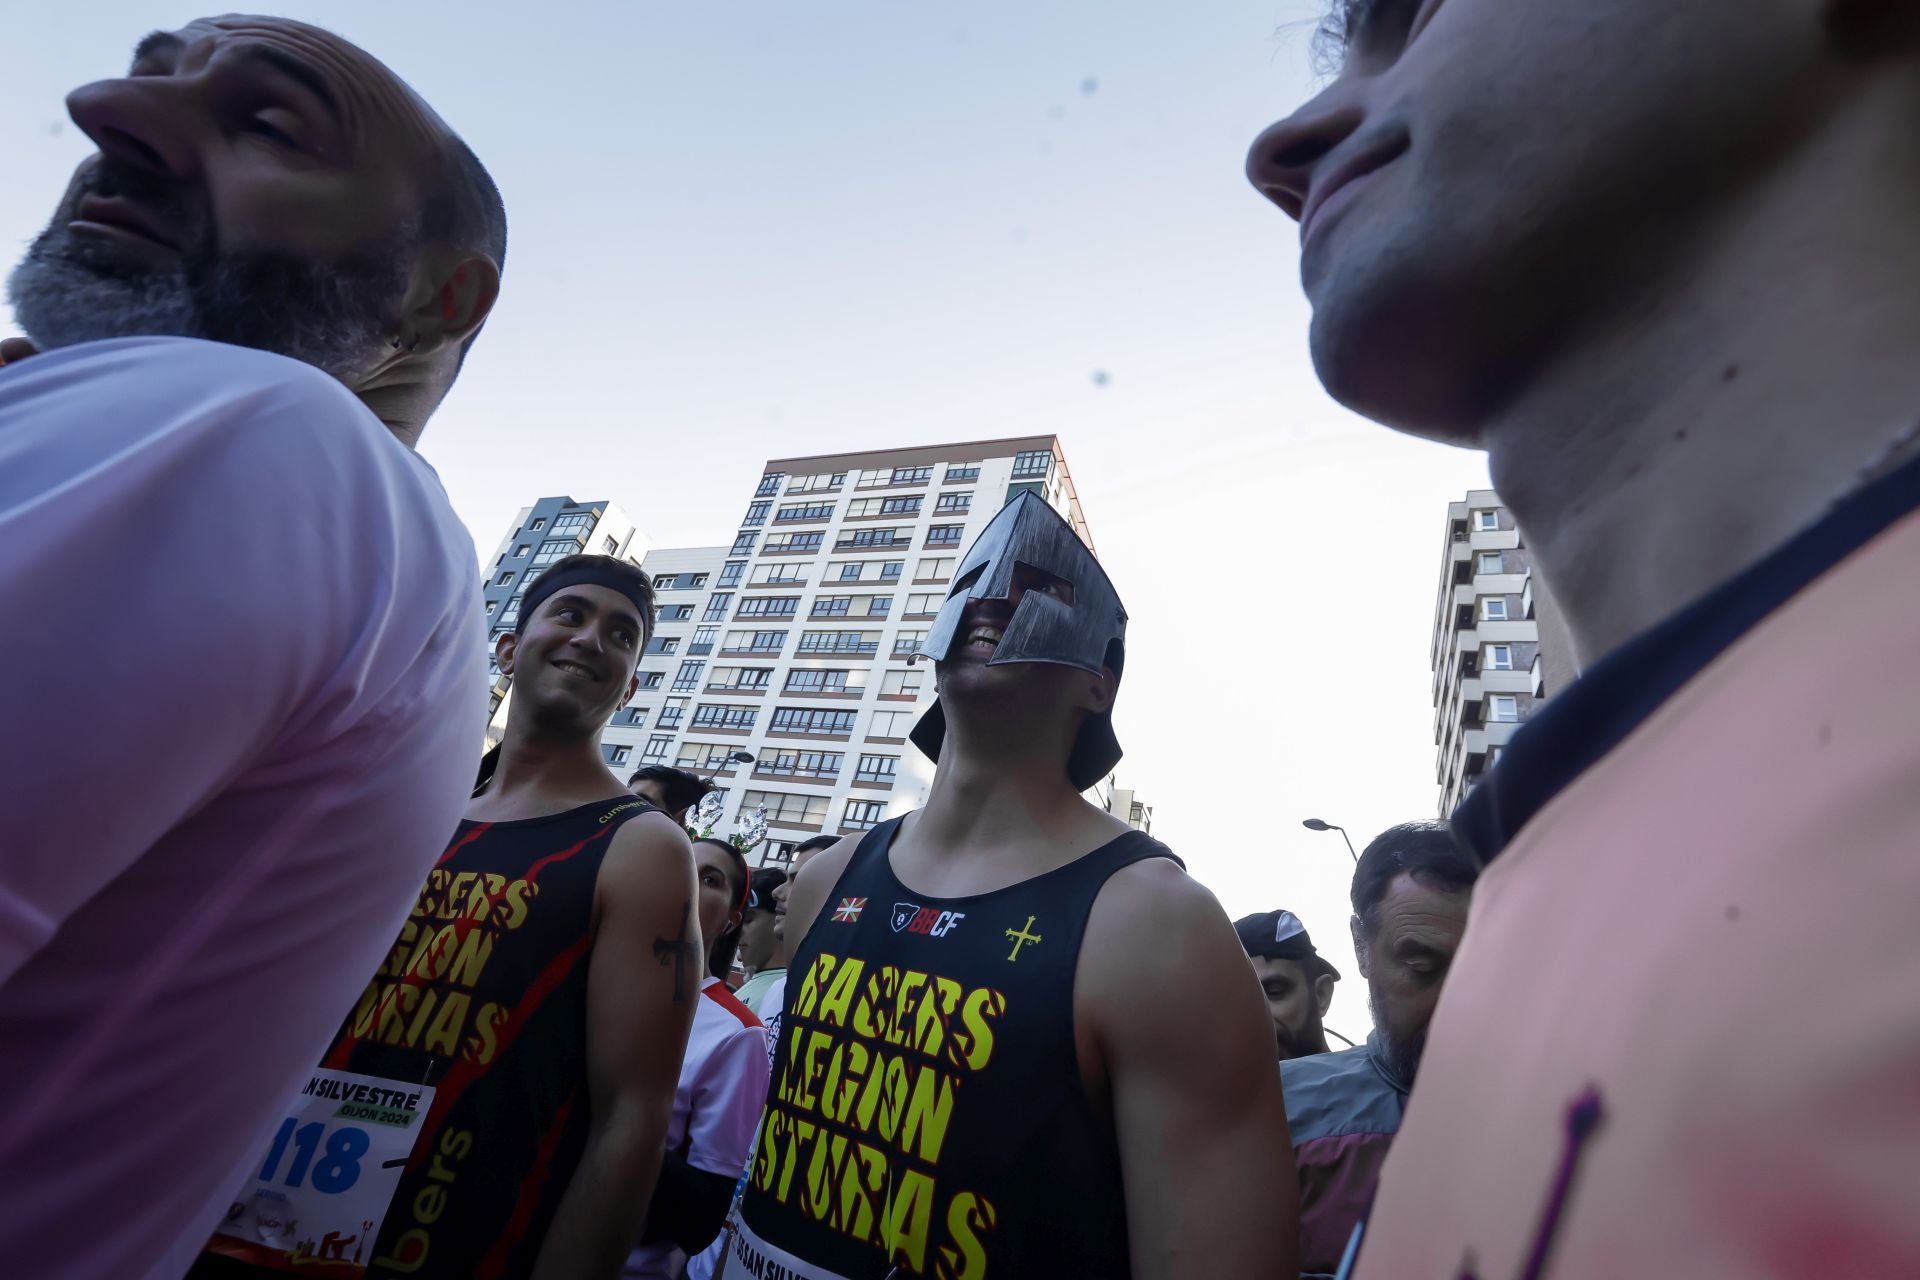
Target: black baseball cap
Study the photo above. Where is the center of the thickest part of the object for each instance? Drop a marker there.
(1279, 935)
(760, 890)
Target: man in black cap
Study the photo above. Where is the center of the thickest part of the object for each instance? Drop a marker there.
(1297, 981)
(992, 1061)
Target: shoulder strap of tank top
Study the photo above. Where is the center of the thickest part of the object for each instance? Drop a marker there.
(1135, 846)
(872, 845)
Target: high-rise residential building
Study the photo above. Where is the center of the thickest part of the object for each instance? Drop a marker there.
(549, 530)
(791, 645)
(1123, 803)
(1489, 671)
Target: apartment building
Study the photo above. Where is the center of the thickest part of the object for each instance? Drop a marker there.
(549, 530)
(790, 645)
(1123, 803)
(1489, 672)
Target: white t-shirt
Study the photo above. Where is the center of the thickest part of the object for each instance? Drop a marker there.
(245, 695)
(716, 1108)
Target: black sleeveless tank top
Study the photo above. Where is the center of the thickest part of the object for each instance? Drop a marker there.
(926, 1115)
(484, 997)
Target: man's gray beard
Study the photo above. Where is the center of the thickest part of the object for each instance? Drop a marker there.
(331, 315)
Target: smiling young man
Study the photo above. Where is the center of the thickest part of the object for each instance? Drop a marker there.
(532, 1011)
(993, 1063)
(246, 306)
(1659, 260)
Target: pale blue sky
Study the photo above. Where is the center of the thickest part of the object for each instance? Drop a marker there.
(762, 229)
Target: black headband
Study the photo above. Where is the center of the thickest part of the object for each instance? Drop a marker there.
(584, 575)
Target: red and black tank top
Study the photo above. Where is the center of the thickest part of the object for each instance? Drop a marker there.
(927, 1115)
(484, 997)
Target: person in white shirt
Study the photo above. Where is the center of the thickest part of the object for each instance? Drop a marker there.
(247, 666)
(723, 1085)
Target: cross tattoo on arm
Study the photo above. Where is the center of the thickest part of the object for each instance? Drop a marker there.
(679, 952)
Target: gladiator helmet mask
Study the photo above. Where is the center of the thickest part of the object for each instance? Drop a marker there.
(1089, 634)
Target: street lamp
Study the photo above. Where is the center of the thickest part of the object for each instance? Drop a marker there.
(1315, 824)
(732, 758)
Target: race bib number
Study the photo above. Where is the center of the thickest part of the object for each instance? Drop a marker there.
(316, 1200)
(750, 1256)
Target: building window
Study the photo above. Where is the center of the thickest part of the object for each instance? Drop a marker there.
(675, 612)
(755, 641)
(785, 808)
(511, 614)
(877, 769)
(717, 605)
(890, 570)
(717, 715)
(576, 524)
(1031, 464)
(832, 606)
(620, 755)
(945, 535)
(778, 574)
(877, 538)
(900, 506)
(1490, 562)
(688, 677)
(901, 684)
(671, 713)
(1499, 657)
(863, 815)
(1503, 707)
(665, 582)
(505, 578)
(521, 550)
(554, 550)
(1486, 521)
(908, 643)
(839, 642)
(786, 762)
(662, 644)
(743, 545)
(802, 511)
(912, 475)
(1493, 609)
(730, 573)
(769, 484)
(890, 724)
(697, 580)
(810, 721)
(651, 679)
(768, 606)
(789, 543)
(925, 602)
(953, 504)
(631, 715)
(740, 679)
(826, 681)
(539, 523)
(657, 747)
(813, 484)
(933, 569)
(703, 638)
(956, 475)
(757, 513)
(609, 545)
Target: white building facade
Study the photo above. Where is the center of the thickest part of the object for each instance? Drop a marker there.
(792, 644)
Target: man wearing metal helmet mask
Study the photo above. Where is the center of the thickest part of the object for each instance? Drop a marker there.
(1018, 1039)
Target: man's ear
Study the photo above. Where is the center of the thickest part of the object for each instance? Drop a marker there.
(1323, 993)
(633, 687)
(452, 293)
(503, 650)
(1099, 692)
(1360, 949)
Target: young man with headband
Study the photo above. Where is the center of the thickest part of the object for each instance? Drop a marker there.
(995, 1060)
(1659, 261)
(509, 1072)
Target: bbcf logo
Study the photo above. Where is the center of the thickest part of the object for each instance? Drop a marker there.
(910, 917)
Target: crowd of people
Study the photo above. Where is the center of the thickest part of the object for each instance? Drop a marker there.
(303, 992)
